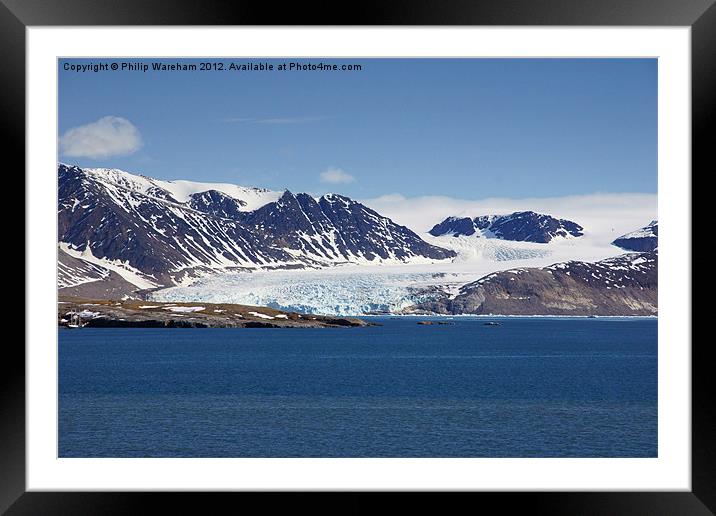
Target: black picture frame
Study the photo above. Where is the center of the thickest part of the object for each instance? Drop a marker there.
(17, 15)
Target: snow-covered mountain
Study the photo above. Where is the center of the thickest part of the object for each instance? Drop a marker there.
(644, 239)
(165, 232)
(521, 226)
(120, 233)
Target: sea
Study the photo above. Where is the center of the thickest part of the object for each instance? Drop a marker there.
(526, 387)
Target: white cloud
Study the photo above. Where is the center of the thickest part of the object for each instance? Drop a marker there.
(108, 136)
(336, 176)
(603, 216)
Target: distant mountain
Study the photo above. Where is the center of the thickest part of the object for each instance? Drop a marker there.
(164, 232)
(644, 239)
(623, 285)
(522, 226)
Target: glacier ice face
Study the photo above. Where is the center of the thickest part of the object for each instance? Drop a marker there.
(337, 292)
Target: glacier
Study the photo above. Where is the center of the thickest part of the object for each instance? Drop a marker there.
(354, 290)
(340, 291)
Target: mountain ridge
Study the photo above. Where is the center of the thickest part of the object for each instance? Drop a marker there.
(520, 226)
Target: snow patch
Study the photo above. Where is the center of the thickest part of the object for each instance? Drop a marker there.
(184, 309)
(260, 315)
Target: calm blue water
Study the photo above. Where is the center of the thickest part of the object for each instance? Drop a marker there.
(531, 387)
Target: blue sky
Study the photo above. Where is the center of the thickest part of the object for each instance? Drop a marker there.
(464, 128)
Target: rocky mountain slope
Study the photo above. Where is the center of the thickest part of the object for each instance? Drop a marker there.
(623, 285)
(78, 277)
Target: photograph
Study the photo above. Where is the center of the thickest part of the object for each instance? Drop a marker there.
(357, 257)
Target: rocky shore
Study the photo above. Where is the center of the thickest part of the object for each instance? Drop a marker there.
(133, 313)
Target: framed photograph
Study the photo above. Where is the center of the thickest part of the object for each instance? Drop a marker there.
(418, 253)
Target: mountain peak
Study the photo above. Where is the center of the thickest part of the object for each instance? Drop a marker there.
(287, 194)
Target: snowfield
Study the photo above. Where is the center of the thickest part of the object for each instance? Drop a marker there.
(473, 247)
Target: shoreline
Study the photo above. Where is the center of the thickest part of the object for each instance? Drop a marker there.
(133, 313)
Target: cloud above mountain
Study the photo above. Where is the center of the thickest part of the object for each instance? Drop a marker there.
(336, 176)
(107, 137)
